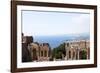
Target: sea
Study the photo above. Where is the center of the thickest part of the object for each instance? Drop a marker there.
(54, 41)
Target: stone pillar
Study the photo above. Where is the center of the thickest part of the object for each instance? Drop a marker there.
(88, 53)
(78, 56)
(47, 53)
(75, 54)
(66, 55)
(37, 54)
(63, 56)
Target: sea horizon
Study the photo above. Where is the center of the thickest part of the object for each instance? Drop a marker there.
(55, 40)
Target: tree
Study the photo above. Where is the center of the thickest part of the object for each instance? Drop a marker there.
(59, 51)
(83, 54)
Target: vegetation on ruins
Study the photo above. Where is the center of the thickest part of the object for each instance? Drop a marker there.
(59, 52)
(83, 54)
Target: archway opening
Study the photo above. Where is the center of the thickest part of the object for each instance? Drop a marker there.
(69, 54)
(34, 54)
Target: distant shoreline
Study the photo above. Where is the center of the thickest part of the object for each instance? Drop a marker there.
(55, 41)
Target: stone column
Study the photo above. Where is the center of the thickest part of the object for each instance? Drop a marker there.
(75, 54)
(48, 53)
(38, 56)
(78, 54)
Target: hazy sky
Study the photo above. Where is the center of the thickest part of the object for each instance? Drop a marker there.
(39, 23)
